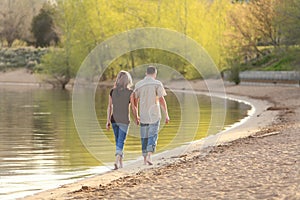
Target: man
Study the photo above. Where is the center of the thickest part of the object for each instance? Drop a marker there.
(150, 93)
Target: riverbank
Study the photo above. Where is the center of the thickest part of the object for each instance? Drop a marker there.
(264, 164)
(20, 76)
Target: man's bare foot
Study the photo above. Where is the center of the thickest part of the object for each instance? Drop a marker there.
(149, 162)
(145, 160)
(116, 166)
(148, 159)
(120, 162)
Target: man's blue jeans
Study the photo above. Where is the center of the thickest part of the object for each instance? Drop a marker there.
(120, 131)
(149, 136)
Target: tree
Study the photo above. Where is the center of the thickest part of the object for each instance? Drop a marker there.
(43, 27)
(252, 25)
(56, 66)
(84, 24)
(289, 20)
(15, 19)
(60, 65)
(11, 26)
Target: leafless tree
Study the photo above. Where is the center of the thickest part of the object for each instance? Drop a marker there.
(15, 19)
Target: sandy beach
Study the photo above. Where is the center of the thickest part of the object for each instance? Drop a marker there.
(260, 159)
(19, 77)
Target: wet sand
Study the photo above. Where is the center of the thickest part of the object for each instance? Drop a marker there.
(259, 159)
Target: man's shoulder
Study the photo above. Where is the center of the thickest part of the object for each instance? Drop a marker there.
(139, 84)
(158, 82)
(147, 82)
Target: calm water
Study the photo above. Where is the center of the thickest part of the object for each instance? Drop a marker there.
(40, 147)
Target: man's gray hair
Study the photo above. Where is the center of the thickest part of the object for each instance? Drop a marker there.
(151, 70)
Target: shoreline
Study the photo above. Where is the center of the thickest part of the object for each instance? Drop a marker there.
(246, 161)
(159, 155)
(173, 156)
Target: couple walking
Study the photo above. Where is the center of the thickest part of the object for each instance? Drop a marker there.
(149, 95)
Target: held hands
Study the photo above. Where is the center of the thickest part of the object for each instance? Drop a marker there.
(137, 120)
(108, 125)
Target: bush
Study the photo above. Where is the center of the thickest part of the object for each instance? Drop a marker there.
(235, 74)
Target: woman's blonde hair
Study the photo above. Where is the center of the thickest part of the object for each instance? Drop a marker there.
(123, 80)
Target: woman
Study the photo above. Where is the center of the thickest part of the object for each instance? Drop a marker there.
(120, 98)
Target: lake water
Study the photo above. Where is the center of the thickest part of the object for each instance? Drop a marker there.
(41, 149)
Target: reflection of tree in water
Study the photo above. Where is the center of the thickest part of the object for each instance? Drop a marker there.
(15, 118)
(38, 141)
(16, 122)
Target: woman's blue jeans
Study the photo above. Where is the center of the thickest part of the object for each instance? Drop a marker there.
(120, 131)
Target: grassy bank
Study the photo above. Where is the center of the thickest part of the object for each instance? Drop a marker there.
(277, 60)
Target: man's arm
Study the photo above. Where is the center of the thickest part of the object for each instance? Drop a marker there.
(163, 104)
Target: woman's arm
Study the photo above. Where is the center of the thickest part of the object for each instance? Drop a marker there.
(134, 108)
(109, 112)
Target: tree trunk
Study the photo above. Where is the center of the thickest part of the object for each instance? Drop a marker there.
(10, 42)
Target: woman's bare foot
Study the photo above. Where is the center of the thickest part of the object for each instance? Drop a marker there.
(118, 157)
(121, 162)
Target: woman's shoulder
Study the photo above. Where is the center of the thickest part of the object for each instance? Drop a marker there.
(122, 90)
(129, 90)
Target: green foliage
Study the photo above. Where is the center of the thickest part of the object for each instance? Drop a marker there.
(85, 24)
(263, 61)
(288, 20)
(227, 31)
(145, 56)
(55, 64)
(284, 60)
(262, 34)
(294, 52)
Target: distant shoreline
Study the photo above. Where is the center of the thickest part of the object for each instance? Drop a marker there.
(23, 78)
